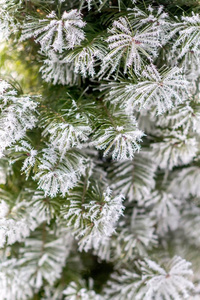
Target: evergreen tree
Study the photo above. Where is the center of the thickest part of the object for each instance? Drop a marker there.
(99, 150)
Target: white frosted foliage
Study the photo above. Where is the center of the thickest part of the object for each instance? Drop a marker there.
(162, 89)
(130, 43)
(17, 115)
(13, 281)
(107, 160)
(16, 223)
(136, 238)
(8, 24)
(75, 291)
(92, 221)
(159, 89)
(71, 130)
(43, 258)
(175, 150)
(185, 116)
(164, 209)
(31, 153)
(57, 175)
(189, 36)
(37, 261)
(58, 70)
(66, 136)
(123, 285)
(157, 17)
(52, 32)
(121, 141)
(186, 183)
(134, 179)
(4, 24)
(172, 281)
(85, 58)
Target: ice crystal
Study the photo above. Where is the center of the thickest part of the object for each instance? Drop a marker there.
(175, 150)
(186, 183)
(58, 70)
(134, 179)
(70, 130)
(92, 221)
(122, 140)
(13, 281)
(75, 291)
(52, 32)
(130, 45)
(171, 281)
(57, 175)
(17, 223)
(164, 209)
(189, 36)
(31, 153)
(161, 89)
(17, 115)
(85, 58)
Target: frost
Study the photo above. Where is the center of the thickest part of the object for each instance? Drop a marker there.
(92, 221)
(156, 17)
(75, 291)
(134, 179)
(16, 223)
(70, 129)
(8, 24)
(13, 281)
(4, 25)
(121, 140)
(185, 116)
(58, 70)
(29, 162)
(130, 45)
(130, 69)
(85, 58)
(175, 150)
(136, 238)
(17, 115)
(43, 258)
(171, 281)
(189, 36)
(52, 32)
(123, 285)
(186, 183)
(59, 176)
(164, 209)
(43, 206)
(161, 89)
